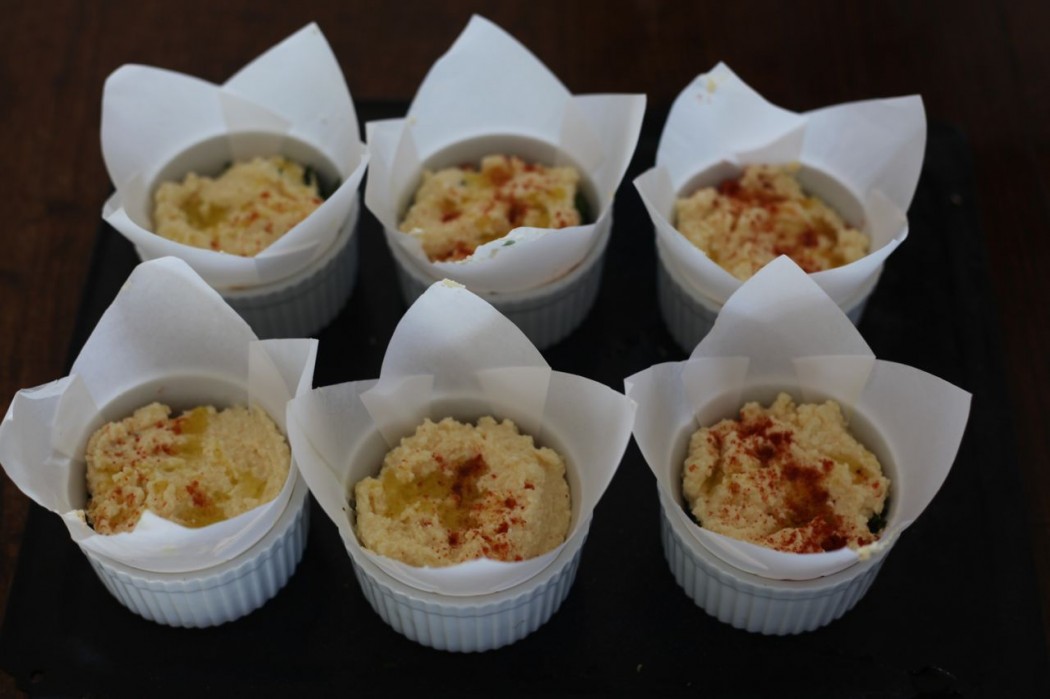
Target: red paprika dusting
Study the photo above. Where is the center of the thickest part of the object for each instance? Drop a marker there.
(782, 440)
(499, 176)
(475, 515)
(750, 428)
(808, 521)
(460, 251)
(196, 495)
(505, 199)
(806, 497)
(516, 213)
(764, 196)
(466, 473)
(500, 551)
(772, 220)
(730, 188)
(765, 452)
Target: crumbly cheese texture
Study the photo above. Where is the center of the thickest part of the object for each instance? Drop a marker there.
(199, 468)
(746, 223)
(788, 477)
(459, 208)
(454, 492)
(241, 212)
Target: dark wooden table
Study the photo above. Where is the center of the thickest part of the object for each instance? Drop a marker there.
(980, 66)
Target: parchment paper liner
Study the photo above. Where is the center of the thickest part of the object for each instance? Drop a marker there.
(452, 354)
(306, 302)
(862, 158)
(488, 95)
(546, 315)
(159, 125)
(169, 337)
(221, 593)
(781, 332)
(753, 603)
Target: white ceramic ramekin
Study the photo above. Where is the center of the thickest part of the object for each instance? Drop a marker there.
(224, 592)
(474, 623)
(300, 301)
(689, 313)
(546, 314)
(689, 316)
(303, 304)
(753, 603)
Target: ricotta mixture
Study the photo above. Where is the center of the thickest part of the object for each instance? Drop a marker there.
(453, 492)
(199, 468)
(459, 208)
(242, 212)
(790, 477)
(748, 222)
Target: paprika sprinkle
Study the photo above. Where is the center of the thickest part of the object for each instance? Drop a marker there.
(789, 477)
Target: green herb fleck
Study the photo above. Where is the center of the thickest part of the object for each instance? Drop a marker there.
(877, 522)
(584, 208)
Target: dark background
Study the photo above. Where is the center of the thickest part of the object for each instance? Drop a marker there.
(962, 604)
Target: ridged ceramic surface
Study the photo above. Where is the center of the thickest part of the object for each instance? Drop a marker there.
(220, 594)
(305, 304)
(689, 321)
(472, 624)
(547, 314)
(744, 601)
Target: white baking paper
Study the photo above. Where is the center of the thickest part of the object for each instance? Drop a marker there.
(453, 355)
(489, 95)
(872, 151)
(167, 337)
(780, 332)
(291, 100)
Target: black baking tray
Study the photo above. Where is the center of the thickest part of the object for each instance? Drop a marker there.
(954, 611)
